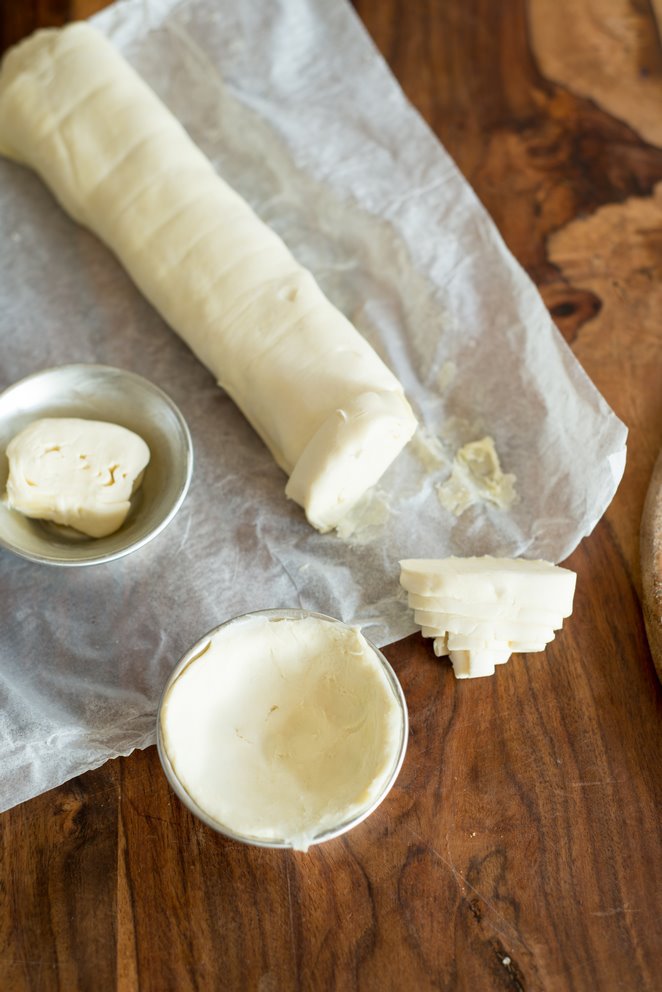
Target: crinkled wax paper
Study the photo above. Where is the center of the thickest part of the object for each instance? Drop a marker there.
(301, 115)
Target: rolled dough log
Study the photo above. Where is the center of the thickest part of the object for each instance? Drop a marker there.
(330, 411)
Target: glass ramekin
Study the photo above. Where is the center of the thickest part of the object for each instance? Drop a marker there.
(329, 833)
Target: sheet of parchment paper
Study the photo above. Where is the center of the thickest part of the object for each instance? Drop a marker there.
(301, 115)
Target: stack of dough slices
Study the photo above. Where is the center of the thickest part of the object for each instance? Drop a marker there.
(481, 610)
(332, 414)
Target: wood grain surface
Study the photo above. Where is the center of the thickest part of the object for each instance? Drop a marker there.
(651, 564)
(520, 848)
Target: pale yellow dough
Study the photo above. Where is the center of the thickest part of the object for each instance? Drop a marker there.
(281, 730)
(480, 610)
(75, 472)
(330, 411)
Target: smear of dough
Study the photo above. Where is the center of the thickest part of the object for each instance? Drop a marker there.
(429, 450)
(477, 477)
(456, 431)
(446, 375)
(358, 526)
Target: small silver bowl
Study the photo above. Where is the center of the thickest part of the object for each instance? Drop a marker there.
(328, 834)
(98, 392)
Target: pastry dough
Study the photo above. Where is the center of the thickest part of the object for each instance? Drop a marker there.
(480, 610)
(283, 729)
(330, 411)
(80, 473)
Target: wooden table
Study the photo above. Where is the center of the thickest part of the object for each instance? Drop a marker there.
(520, 848)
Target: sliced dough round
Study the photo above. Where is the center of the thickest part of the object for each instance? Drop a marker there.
(80, 473)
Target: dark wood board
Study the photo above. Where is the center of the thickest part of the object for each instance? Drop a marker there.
(651, 564)
(520, 848)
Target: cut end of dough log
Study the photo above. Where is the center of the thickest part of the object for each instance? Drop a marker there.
(349, 454)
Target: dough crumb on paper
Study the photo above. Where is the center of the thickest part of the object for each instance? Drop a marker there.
(363, 522)
(446, 375)
(429, 450)
(477, 477)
